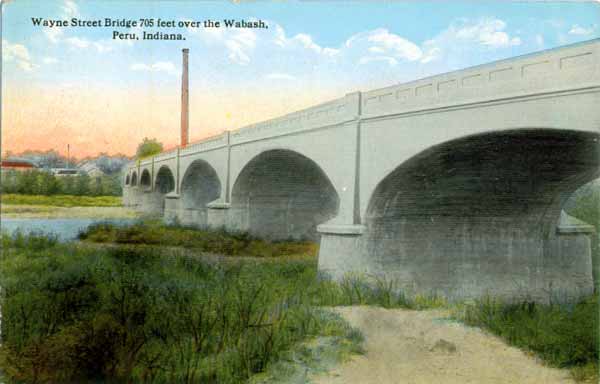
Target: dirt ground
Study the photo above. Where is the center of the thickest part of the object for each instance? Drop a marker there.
(415, 347)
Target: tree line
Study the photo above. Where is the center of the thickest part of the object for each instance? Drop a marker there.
(36, 182)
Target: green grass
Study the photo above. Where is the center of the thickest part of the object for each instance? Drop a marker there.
(218, 242)
(62, 200)
(563, 336)
(135, 313)
(131, 314)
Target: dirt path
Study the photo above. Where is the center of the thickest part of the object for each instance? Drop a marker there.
(415, 347)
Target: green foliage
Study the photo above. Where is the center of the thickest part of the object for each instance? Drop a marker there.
(219, 242)
(132, 314)
(148, 147)
(36, 182)
(62, 200)
(563, 336)
(585, 204)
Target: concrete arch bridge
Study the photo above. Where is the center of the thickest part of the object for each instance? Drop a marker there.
(451, 184)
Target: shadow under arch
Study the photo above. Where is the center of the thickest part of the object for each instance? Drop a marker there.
(200, 185)
(479, 215)
(282, 194)
(145, 178)
(134, 179)
(165, 182)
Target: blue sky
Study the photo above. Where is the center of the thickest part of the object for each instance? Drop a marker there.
(311, 52)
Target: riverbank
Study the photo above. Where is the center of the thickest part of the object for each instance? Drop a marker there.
(60, 200)
(29, 211)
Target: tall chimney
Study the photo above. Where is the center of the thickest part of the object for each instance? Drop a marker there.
(185, 113)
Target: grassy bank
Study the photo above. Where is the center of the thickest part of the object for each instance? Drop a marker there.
(123, 314)
(61, 200)
(141, 314)
(219, 242)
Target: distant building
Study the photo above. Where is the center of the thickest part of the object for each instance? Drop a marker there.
(59, 172)
(17, 164)
(91, 169)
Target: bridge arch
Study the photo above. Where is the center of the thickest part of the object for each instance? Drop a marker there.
(165, 182)
(479, 214)
(134, 179)
(199, 186)
(127, 179)
(145, 179)
(282, 194)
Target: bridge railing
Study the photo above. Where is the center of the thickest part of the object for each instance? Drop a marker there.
(550, 70)
(206, 144)
(565, 68)
(326, 114)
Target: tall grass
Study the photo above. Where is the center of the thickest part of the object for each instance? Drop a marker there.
(127, 314)
(213, 241)
(564, 336)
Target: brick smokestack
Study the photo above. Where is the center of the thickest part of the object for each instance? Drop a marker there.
(185, 104)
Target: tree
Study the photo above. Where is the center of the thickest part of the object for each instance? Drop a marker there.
(584, 204)
(148, 147)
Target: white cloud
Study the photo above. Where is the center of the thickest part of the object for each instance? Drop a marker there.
(70, 9)
(463, 35)
(239, 43)
(581, 31)
(53, 34)
(395, 44)
(280, 76)
(369, 59)
(50, 60)
(77, 42)
(301, 41)
(159, 66)
(17, 53)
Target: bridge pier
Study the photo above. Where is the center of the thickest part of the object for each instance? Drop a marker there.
(341, 250)
(152, 202)
(218, 215)
(172, 201)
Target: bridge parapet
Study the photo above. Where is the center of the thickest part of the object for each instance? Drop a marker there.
(322, 115)
(207, 144)
(166, 155)
(543, 72)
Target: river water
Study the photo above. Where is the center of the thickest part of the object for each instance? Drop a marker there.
(64, 229)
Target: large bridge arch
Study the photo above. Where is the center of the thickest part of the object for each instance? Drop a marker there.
(479, 214)
(283, 194)
(200, 185)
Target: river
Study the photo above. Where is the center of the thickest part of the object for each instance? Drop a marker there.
(64, 229)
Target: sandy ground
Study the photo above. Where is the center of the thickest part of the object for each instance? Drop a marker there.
(14, 211)
(416, 347)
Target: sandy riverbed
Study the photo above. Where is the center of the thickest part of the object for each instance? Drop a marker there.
(426, 347)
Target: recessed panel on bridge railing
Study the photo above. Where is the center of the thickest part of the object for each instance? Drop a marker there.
(570, 68)
(208, 144)
(322, 115)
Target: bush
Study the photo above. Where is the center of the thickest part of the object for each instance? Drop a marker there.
(39, 182)
(219, 242)
(132, 314)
